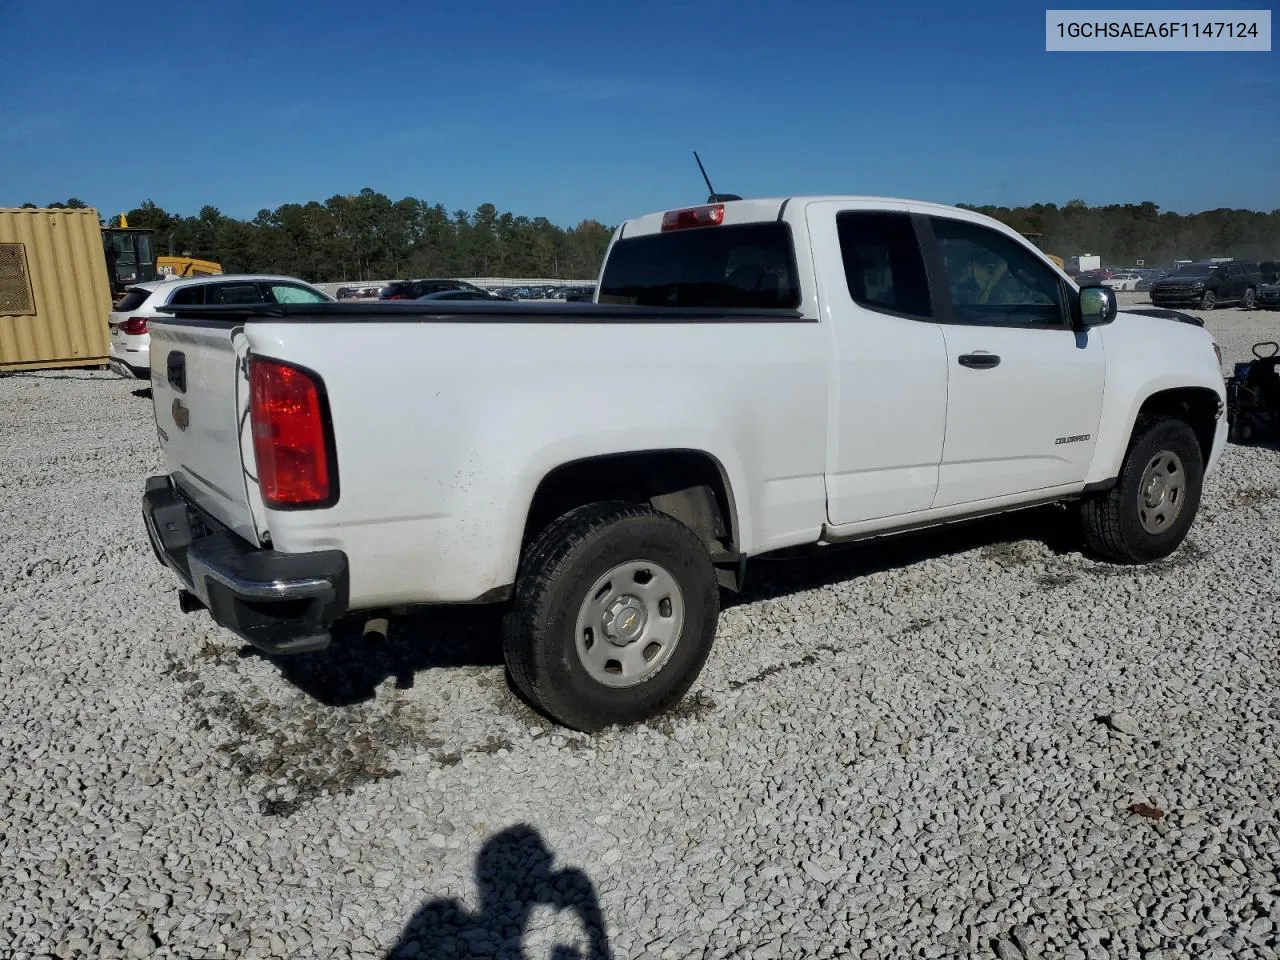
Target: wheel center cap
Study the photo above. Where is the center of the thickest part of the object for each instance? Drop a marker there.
(1155, 492)
(624, 621)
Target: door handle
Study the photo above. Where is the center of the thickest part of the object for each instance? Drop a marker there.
(979, 361)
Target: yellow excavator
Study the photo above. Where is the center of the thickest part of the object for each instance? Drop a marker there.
(131, 259)
(187, 267)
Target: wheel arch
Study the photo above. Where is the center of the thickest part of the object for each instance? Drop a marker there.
(689, 484)
(1201, 404)
(1200, 407)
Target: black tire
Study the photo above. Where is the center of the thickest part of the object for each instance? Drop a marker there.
(1250, 298)
(560, 565)
(1113, 527)
(1208, 300)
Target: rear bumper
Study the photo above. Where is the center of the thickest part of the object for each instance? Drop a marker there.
(279, 602)
(129, 361)
(123, 369)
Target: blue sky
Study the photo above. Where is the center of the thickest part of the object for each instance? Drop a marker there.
(571, 109)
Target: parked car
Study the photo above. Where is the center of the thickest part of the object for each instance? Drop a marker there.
(356, 293)
(1209, 284)
(1269, 295)
(474, 295)
(129, 351)
(1269, 270)
(814, 370)
(417, 289)
(1122, 280)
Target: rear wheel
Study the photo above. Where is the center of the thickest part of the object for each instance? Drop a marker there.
(1147, 514)
(1208, 300)
(1250, 298)
(614, 616)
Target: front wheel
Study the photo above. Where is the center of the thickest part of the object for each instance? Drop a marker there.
(614, 615)
(1147, 514)
(1208, 299)
(1250, 298)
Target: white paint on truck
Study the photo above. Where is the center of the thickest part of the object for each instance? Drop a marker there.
(863, 365)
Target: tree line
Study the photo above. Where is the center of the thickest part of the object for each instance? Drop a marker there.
(369, 236)
(1124, 233)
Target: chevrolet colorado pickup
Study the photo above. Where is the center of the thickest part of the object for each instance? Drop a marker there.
(753, 375)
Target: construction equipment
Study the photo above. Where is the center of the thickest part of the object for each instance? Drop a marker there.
(1253, 395)
(131, 259)
(130, 256)
(177, 267)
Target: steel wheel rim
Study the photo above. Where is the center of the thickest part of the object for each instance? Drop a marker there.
(1162, 493)
(629, 624)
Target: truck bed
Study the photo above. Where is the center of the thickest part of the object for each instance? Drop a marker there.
(446, 418)
(401, 311)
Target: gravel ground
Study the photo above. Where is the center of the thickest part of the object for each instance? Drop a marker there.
(973, 743)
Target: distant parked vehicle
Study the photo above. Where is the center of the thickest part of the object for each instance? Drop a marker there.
(464, 295)
(129, 353)
(1209, 284)
(1269, 271)
(1122, 280)
(1268, 296)
(356, 293)
(417, 289)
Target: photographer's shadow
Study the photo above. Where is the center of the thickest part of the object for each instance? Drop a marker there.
(515, 876)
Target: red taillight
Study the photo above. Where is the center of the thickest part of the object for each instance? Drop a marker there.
(134, 326)
(291, 436)
(710, 215)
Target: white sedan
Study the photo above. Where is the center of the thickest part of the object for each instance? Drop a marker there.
(129, 353)
(1122, 281)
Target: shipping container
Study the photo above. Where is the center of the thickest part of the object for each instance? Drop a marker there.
(54, 293)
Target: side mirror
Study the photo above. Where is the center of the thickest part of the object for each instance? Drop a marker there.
(1097, 305)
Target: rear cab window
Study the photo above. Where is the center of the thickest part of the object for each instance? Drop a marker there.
(745, 266)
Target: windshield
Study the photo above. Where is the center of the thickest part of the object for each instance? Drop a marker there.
(1195, 270)
(748, 266)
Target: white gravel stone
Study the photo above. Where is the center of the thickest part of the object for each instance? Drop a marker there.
(158, 785)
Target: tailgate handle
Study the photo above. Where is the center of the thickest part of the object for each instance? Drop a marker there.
(176, 371)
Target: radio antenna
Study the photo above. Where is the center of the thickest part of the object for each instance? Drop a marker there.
(714, 197)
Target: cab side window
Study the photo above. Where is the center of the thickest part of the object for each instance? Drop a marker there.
(995, 280)
(291, 293)
(883, 266)
(235, 293)
(187, 297)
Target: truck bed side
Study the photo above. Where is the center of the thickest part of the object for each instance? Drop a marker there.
(445, 425)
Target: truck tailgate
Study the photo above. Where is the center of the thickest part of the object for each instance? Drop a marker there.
(201, 399)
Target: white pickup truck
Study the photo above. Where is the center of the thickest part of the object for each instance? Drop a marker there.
(754, 375)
